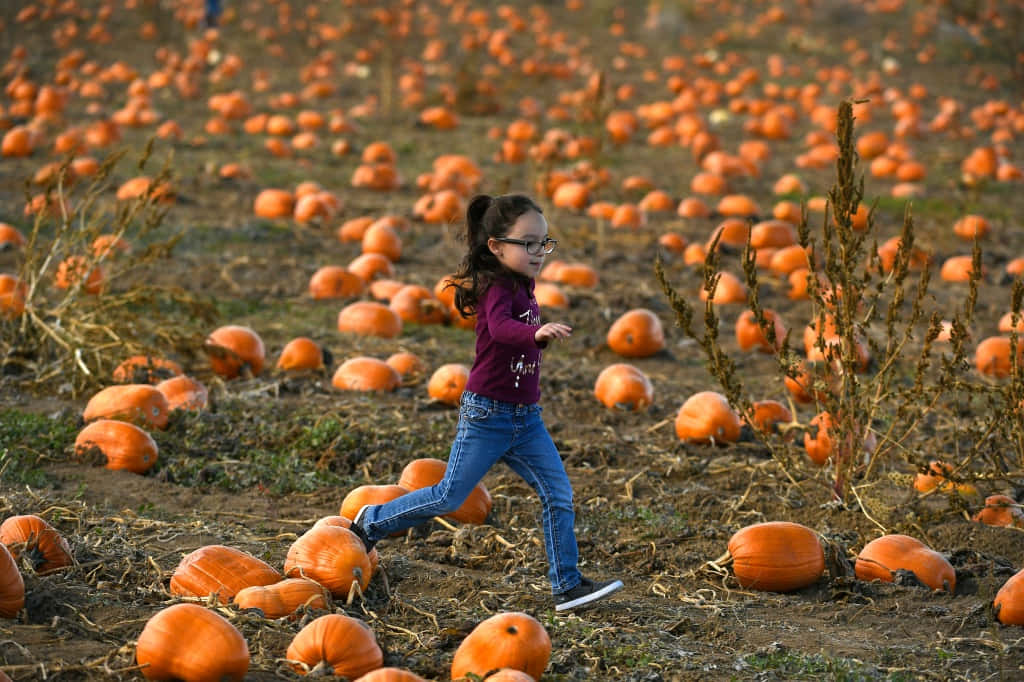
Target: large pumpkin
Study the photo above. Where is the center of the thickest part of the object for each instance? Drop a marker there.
(137, 403)
(505, 640)
(369, 318)
(1009, 601)
(12, 585)
(189, 642)
(331, 555)
(777, 556)
(889, 553)
(707, 417)
(636, 334)
(125, 446)
(344, 644)
(365, 374)
(221, 570)
(427, 471)
(38, 540)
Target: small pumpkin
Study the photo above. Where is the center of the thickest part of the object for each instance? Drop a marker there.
(13, 293)
(220, 570)
(623, 386)
(233, 349)
(406, 364)
(342, 522)
(365, 374)
(505, 640)
(215, 651)
(427, 471)
(334, 281)
(137, 403)
(992, 356)
(301, 353)
(750, 335)
(416, 303)
(333, 556)
(44, 546)
(889, 553)
(75, 269)
(369, 318)
(509, 675)
(777, 556)
(1009, 601)
(636, 333)
(383, 239)
(12, 585)
(448, 382)
(282, 598)
(344, 644)
(707, 417)
(1000, 510)
(728, 289)
(125, 446)
(935, 478)
(766, 415)
(818, 440)
(184, 393)
(145, 369)
(274, 203)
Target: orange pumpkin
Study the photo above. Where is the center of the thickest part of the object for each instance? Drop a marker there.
(415, 303)
(13, 293)
(1000, 510)
(145, 369)
(447, 383)
(220, 570)
(369, 318)
(971, 226)
(301, 353)
(343, 644)
(370, 266)
(935, 478)
(365, 374)
(406, 364)
(76, 269)
(776, 556)
(636, 334)
(509, 675)
(624, 387)
(216, 651)
(364, 495)
(333, 556)
(1009, 601)
(10, 237)
(728, 289)
(184, 393)
(334, 281)
(274, 203)
(353, 230)
(505, 640)
(233, 349)
(750, 335)
(992, 356)
(766, 415)
(12, 585)
(425, 472)
(137, 403)
(889, 553)
(391, 675)
(282, 598)
(706, 417)
(125, 446)
(550, 295)
(383, 239)
(46, 548)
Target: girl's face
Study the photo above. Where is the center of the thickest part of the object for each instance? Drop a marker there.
(529, 227)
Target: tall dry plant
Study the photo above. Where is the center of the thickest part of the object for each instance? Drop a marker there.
(74, 338)
(875, 410)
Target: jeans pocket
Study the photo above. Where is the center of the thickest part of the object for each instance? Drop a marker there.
(474, 413)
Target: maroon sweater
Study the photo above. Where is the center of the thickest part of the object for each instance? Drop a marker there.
(507, 364)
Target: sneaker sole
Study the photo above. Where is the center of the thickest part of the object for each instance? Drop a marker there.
(593, 596)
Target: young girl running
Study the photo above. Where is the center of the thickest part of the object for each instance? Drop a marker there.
(499, 418)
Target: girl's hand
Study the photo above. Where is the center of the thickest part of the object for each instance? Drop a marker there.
(551, 331)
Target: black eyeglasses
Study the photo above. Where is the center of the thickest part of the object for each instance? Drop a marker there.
(533, 248)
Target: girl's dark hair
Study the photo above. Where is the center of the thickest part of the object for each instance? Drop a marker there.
(486, 217)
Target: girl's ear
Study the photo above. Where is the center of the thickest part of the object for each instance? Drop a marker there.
(494, 245)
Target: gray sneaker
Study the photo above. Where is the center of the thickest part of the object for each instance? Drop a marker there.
(586, 592)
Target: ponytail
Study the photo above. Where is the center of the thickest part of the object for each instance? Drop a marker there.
(487, 217)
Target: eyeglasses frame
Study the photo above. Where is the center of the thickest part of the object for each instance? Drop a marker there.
(525, 244)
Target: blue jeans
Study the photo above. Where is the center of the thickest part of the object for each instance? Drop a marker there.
(490, 430)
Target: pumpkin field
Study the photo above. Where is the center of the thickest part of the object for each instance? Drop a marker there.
(790, 248)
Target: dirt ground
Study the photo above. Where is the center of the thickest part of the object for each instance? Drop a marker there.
(276, 452)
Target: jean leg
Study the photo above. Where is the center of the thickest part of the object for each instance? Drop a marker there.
(478, 445)
(535, 458)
